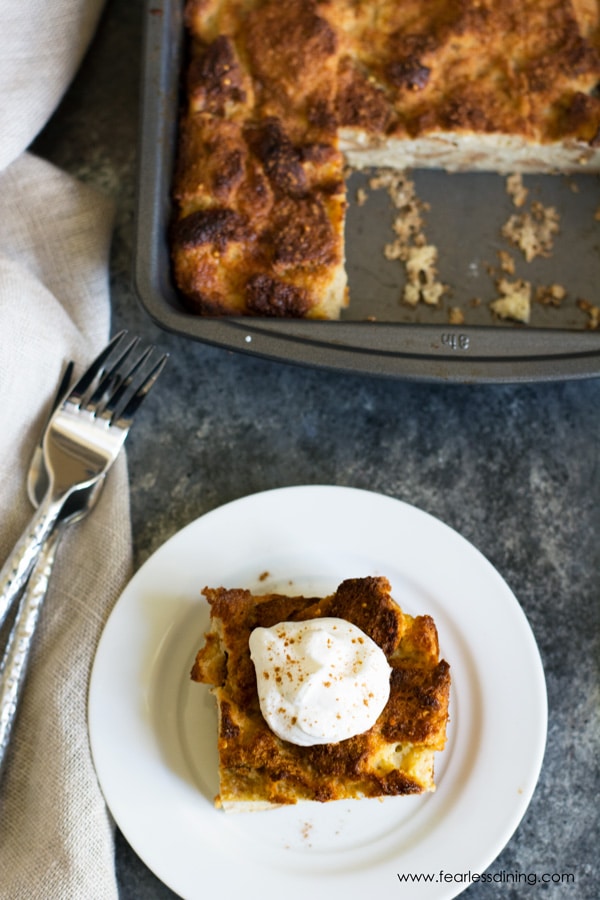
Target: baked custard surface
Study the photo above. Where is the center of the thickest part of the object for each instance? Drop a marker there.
(280, 95)
(257, 769)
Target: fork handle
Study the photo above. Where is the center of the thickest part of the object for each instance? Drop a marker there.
(13, 669)
(18, 566)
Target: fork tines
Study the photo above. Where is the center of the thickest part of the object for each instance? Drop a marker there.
(118, 380)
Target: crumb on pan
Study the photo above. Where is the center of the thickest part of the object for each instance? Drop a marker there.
(507, 263)
(421, 273)
(515, 189)
(533, 232)
(456, 316)
(593, 313)
(410, 245)
(550, 295)
(514, 301)
(361, 196)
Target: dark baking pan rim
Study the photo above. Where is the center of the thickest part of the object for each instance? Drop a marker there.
(475, 354)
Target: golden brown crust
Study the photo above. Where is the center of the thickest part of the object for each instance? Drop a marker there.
(258, 140)
(272, 85)
(394, 757)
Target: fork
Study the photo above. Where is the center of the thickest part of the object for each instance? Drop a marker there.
(13, 668)
(15, 660)
(82, 440)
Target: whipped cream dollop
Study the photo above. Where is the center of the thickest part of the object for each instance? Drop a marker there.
(319, 681)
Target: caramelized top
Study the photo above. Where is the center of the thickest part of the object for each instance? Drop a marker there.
(416, 712)
(272, 83)
(516, 67)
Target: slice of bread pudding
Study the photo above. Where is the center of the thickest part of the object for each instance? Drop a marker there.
(258, 769)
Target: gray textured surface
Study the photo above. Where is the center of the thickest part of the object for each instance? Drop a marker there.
(513, 469)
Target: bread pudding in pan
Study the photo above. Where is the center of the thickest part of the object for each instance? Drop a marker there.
(281, 96)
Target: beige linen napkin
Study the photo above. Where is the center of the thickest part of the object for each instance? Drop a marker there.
(56, 836)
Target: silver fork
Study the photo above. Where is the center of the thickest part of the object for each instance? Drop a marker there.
(82, 440)
(14, 665)
(15, 660)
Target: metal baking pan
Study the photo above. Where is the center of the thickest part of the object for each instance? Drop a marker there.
(377, 333)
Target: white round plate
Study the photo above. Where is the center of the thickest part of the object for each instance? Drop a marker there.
(153, 731)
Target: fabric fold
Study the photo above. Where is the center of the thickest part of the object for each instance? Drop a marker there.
(43, 45)
(56, 835)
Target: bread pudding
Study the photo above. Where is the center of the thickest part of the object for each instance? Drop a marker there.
(281, 95)
(395, 756)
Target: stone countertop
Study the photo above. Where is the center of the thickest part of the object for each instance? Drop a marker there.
(513, 468)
